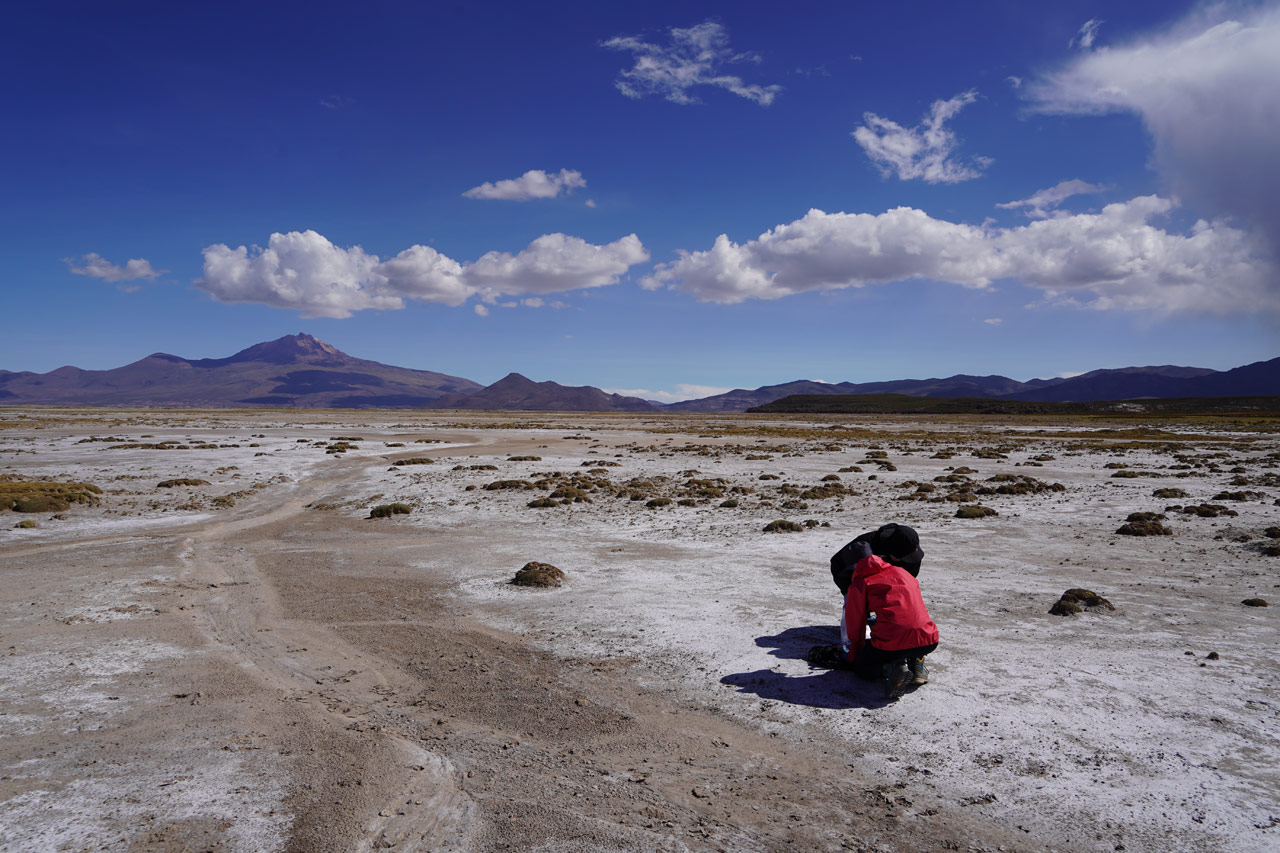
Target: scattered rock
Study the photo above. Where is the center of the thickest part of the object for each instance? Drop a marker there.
(1076, 600)
(538, 574)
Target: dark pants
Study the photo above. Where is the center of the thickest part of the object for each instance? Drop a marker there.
(870, 662)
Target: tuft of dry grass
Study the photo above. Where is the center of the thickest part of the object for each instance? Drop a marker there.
(44, 495)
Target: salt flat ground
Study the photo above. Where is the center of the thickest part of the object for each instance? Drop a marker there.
(253, 664)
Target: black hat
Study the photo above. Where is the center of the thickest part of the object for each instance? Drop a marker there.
(898, 540)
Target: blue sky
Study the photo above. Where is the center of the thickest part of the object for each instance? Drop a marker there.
(669, 199)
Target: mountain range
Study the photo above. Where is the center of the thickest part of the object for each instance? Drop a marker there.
(301, 371)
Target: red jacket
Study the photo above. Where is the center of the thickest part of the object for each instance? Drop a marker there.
(902, 622)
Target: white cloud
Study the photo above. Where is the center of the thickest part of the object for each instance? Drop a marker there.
(556, 262)
(1013, 80)
(1114, 259)
(300, 270)
(591, 202)
(824, 251)
(304, 271)
(683, 392)
(481, 311)
(534, 183)
(1087, 35)
(923, 151)
(96, 266)
(1206, 90)
(420, 272)
(993, 321)
(693, 57)
(1040, 205)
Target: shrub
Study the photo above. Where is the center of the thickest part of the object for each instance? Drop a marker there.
(26, 524)
(768, 477)
(44, 495)
(507, 484)
(416, 460)
(540, 503)
(732, 503)
(524, 458)
(657, 502)
(388, 510)
(1144, 524)
(851, 469)
(1127, 475)
(783, 526)
(1169, 493)
(817, 493)
(975, 511)
(181, 481)
(1239, 496)
(538, 574)
(830, 478)
(1074, 601)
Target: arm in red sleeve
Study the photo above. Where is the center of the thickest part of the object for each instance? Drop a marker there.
(855, 617)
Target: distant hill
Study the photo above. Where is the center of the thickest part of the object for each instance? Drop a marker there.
(514, 392)
(296, 370)
(902, 404)
(1162, 381)
(305, 372)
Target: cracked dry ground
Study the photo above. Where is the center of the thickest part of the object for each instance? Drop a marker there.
(343, 704)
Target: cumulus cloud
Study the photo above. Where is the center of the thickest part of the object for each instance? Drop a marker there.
(993, 321)
(556, 262)
(96, 266)
(1206, 91)
(683, 392)
(692, 57)
(1041, 205)
(304, 271)
(1087, 34)
(924, 151)
(481, 311)
(534, 183)
(1112, 259)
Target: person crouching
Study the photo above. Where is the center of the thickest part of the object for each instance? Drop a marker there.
(901, 631)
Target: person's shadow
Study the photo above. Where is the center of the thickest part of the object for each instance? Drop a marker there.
(825, 688)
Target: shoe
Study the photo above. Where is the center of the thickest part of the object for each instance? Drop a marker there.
(896, 679)
(828, 657)
(919, 672)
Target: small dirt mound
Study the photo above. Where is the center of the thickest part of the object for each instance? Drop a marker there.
(538, 574)
(1077, 600)
(181, 481)
(388, 510)
(783, 526)
(1144, 524)
(1169, 493)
